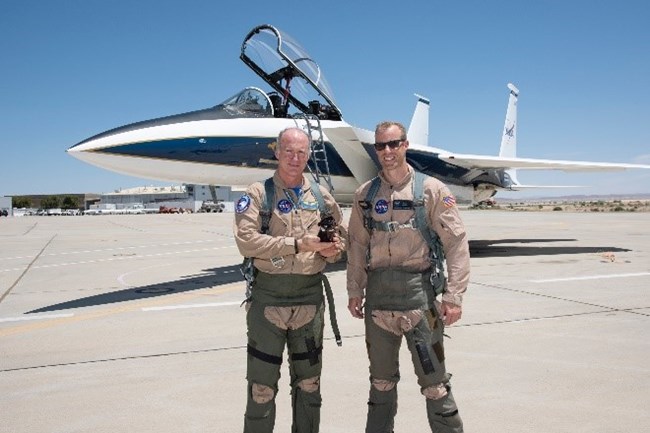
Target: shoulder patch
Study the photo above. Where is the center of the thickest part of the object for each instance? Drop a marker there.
(243, 204)
(449, 200)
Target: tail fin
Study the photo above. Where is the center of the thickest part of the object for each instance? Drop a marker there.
(418, 132)
(509, 146)
(509, 138)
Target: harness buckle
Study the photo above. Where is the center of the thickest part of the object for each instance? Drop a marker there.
(392, 226)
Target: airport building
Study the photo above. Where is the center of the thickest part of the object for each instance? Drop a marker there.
(187, 197)
(31, 203)
(193, 198)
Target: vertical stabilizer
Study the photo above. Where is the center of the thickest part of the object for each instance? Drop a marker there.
(509, 138)
(418, 132)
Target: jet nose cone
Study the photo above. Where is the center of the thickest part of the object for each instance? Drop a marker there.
(74, 149)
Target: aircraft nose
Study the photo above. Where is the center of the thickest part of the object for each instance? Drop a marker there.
(103, 139)
(138, 131)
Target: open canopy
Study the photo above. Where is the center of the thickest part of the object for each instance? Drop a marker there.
(286, 66)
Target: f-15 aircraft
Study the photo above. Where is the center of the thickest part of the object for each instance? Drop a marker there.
(232, 143)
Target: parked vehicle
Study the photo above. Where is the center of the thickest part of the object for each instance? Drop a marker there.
(210, 206)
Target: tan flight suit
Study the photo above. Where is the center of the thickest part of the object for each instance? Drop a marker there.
(286, 305)
(388, 269)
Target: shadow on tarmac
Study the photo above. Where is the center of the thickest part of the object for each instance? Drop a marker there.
(504, 248)
(231, 274)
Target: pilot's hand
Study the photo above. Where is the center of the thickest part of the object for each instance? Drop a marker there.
(312, 243)
(450, 313)
(336, 246)
(355, 305)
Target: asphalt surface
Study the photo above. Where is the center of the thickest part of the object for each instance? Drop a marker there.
(132, 324)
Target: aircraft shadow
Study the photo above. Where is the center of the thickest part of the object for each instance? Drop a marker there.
(231, 274)
(208, 278)
(504, 248)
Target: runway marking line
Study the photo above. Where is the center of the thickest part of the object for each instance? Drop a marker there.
(591, 277)
(181, 307)
(27, 318)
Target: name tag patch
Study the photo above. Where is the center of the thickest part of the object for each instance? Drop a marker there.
(402, 204)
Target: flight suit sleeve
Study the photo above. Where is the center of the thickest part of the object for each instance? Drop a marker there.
(358, 240)
(249, 240)
(446, 221)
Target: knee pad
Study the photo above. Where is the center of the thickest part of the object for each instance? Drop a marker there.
(310, 385)
(261, 394)
(383, 384)
(435, 392)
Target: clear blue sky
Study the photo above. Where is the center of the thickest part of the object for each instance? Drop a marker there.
(71, 69)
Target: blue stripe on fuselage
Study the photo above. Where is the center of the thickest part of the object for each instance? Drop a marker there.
(233, 151)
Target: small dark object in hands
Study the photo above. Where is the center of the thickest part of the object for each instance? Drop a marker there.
(327, 229)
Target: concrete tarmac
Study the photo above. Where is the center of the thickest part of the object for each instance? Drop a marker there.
(132, 324)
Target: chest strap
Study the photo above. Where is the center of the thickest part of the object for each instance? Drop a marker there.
(391, 226)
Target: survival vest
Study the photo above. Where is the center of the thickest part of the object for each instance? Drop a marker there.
(436, 252)
(266, 212)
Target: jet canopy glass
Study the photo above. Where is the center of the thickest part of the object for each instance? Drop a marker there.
(286, 66)
(250, 102)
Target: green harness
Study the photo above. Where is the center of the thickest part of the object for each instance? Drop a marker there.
(436, 252)
(250, 273)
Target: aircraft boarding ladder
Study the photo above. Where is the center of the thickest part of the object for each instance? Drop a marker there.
(318, 153)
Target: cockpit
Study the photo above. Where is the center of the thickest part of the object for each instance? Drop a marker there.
(250, 102)
(297, 80)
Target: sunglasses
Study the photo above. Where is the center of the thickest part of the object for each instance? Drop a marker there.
(393, 144)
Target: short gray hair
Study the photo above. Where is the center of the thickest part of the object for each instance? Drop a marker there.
(294, 128)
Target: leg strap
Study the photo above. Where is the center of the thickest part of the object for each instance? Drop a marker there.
(271, 359)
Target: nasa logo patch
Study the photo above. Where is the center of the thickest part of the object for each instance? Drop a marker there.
(381, 206)
(243, 203)
(285, 206)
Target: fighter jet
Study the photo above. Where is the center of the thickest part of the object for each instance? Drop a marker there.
(232, 143)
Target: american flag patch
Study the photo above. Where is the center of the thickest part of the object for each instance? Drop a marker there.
(449, 200)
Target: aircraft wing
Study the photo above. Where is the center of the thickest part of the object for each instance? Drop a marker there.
(497, 162)
(346, 142)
